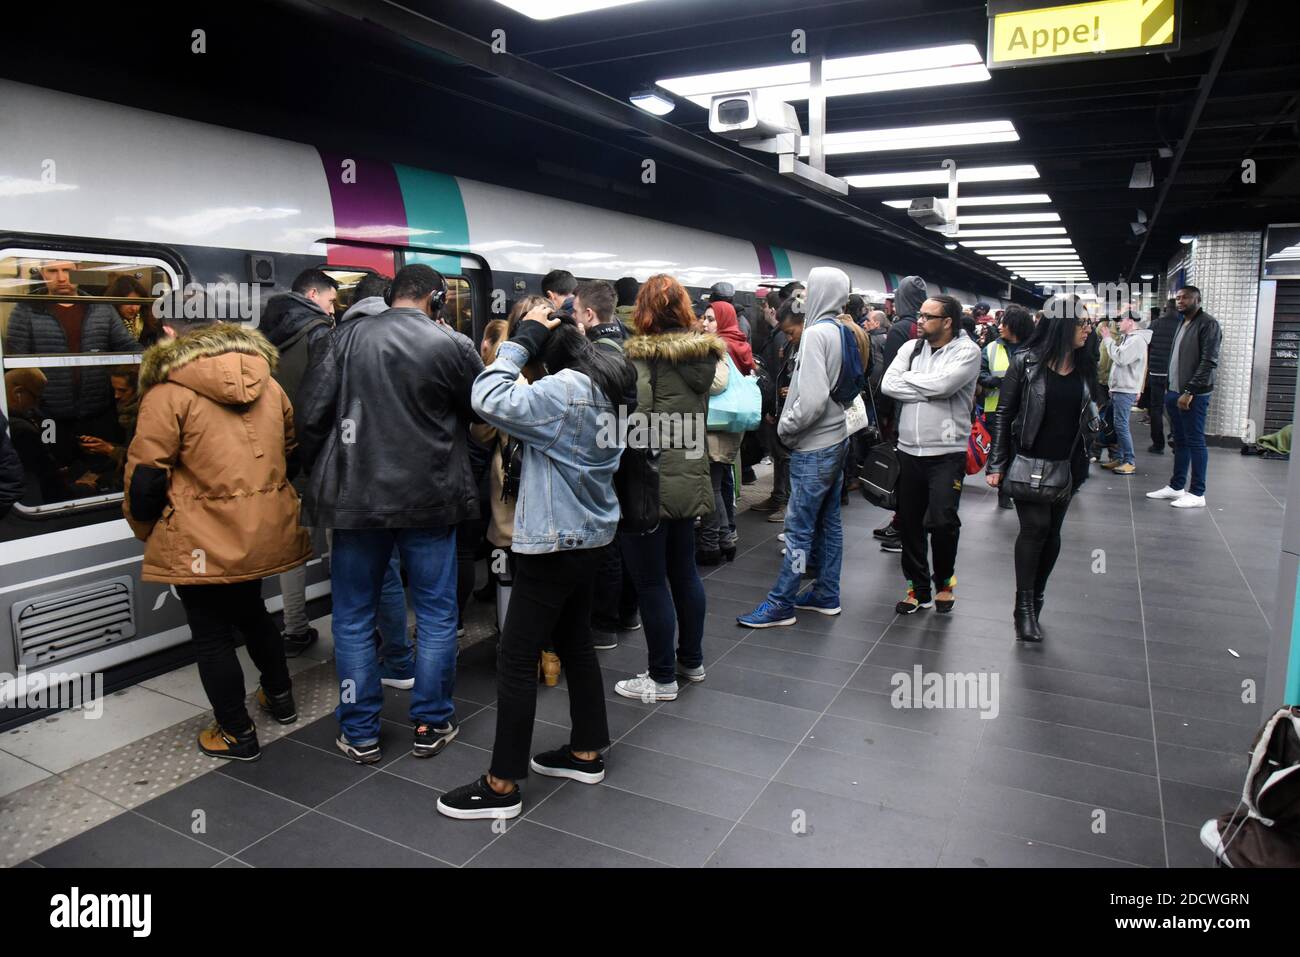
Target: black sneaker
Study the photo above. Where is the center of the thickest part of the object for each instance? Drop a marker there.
(603, 640)
(294, 645)
(894, 545)
(631, 623)
(432, 738)
(886, 533)
(216, 742)
(360, 753)
(280, 706)
(474, 802)
(561, 763)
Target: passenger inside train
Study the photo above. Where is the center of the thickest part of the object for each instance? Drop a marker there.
(752, 473)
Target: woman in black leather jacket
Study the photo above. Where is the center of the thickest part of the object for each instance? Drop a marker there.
(1044, 404)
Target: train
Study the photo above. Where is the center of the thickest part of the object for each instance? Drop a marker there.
(196, 212)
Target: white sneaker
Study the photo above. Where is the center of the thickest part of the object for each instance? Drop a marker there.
(644, 688)
(1167, 492)
(406, 684)
(1189, 501)
(780, 537)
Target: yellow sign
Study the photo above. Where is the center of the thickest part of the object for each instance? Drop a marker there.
(1107, 27)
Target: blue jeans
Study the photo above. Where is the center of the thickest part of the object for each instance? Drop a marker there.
(396, 656)
(662, 566)
(814, 535)
(1123, 406)
(1189, 441)
(359, 559)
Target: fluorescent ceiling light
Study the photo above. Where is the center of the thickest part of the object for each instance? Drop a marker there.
(652, 102)
(841, 76)
(1003, 243)
(917, 138)
(550, 9)
(949, 245)
(1010, 218)
(1033, 231)
(938, 177)
(1011, 200)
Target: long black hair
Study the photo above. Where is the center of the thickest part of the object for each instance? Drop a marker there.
(568, 348)
(1053, 339)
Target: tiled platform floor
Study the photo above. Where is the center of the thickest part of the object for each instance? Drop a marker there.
(1114, 740)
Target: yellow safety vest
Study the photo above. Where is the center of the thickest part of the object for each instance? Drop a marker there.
(999, 362)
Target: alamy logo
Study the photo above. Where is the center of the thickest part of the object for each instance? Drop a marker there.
(656, 430)
(946, 689)
(56, 690)
(74, 910)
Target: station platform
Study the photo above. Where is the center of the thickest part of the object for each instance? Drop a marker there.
(1113, 740)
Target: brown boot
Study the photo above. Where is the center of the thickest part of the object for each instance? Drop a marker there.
(550, 668)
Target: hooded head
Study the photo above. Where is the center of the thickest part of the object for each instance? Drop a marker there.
(828, 287)
(226, 362)
(909, 295)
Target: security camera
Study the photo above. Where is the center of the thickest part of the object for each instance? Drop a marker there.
(758, 122)
(930, 212)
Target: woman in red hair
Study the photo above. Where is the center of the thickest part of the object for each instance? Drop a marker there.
(716, 537)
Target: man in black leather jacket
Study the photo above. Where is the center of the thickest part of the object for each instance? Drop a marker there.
(383, 422)
(1193, 358)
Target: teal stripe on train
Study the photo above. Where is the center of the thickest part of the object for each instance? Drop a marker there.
(435, 216)
(781, 259)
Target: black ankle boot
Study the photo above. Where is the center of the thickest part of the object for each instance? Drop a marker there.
(1038, 603)
(1026, 618)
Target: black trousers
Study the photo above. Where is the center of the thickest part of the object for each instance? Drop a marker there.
(1039, 543)
(1156, 388)
(214, 613)
(929, 494)
(614, 598)
(550, 603)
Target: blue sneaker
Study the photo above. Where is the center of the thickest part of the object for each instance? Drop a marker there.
(806, 599)
(767, 615)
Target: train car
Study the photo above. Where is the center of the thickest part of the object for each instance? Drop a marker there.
(210, 222)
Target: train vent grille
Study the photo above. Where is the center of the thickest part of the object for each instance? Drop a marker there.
(66, 624)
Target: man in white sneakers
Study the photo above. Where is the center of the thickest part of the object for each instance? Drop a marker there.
(1192, 361)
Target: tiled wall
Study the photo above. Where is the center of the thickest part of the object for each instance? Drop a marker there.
(1225, 267)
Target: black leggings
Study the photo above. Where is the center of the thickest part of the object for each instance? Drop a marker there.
(1038, 543)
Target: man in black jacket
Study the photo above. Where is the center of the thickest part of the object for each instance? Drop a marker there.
(1193, 358)
(907, 300)
(383, 420)
(1162, 340)
(298, 324)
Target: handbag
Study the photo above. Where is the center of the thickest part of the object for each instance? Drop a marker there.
(855, 416)
(738, 407)
(978, 445)
(1045, 481)
(879, 476)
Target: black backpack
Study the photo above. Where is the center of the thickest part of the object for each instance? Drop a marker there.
(293, 358)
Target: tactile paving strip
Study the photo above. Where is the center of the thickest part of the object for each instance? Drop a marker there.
(47, 813)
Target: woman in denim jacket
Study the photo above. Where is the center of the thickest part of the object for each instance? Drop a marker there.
(566, 510)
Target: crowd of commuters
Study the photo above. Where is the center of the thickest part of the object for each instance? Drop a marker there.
(411, 453)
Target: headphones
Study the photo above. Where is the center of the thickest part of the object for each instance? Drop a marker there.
(436, 300)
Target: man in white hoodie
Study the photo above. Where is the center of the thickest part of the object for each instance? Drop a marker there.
(1128, 366)
(812, 427)
(933, 380)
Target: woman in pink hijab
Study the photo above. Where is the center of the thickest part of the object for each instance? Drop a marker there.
(724, 315)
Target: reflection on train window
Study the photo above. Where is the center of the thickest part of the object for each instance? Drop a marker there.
(74, 326)
(458, 312)
(112, 304)
(348, 279)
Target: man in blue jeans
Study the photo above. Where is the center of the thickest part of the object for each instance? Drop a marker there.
(812, 427)
(1128, 359)
(384, 417)
(1192, 361)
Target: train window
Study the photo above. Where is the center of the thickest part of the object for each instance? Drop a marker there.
(458, 312)
(73, 327)
(348, 280)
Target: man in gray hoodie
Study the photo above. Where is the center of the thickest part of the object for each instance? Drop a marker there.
(907, 302)
(933, 380)
(812, 427)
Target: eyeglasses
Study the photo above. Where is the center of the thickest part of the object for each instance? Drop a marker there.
(926, 316)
